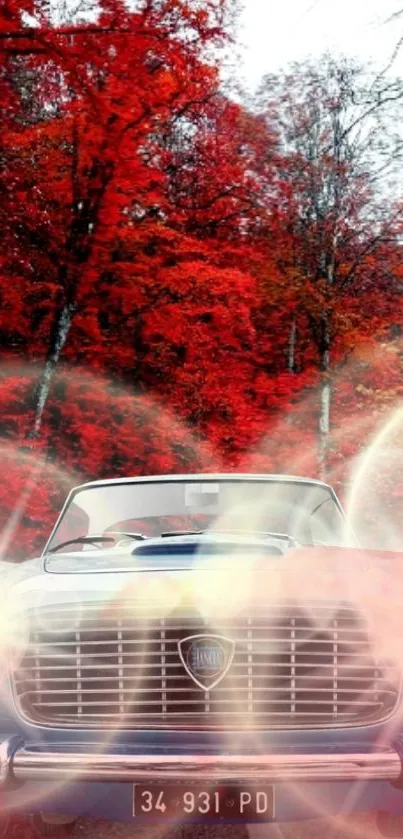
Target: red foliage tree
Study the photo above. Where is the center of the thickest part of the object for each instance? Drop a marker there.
(202, 260)
(83, 149)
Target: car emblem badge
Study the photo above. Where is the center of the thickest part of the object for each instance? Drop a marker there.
(206, 658)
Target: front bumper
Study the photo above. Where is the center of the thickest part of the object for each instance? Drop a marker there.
(20, 763)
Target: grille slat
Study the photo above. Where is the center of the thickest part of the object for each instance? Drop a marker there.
(91, 656)
(131, 625)
(137, 691)
(275, 642)
(103, 679)
(190, 715)
(187, 702)
(292, 667)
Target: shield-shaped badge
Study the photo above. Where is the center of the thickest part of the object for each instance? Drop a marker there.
(206, 658)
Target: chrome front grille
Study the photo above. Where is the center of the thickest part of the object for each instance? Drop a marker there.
(293, 667)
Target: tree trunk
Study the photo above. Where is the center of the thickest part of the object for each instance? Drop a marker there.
(324, 414)
(292, 344)
(60, 331)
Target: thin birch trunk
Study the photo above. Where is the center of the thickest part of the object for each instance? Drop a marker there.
(324, 414)
(60, 334)
(326, 385)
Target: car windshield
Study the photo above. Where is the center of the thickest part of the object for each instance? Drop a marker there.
(306, 511)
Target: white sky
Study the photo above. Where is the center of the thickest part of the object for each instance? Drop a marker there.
(274, 32)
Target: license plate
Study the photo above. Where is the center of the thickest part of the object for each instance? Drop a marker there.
(189, 801)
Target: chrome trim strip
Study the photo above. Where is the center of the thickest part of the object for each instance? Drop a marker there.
(35, 765)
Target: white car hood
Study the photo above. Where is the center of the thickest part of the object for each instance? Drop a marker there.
(372, 579)
(221, 588)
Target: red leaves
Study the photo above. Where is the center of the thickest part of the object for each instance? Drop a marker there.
(178, 231)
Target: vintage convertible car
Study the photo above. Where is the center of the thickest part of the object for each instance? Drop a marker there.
(203, 648)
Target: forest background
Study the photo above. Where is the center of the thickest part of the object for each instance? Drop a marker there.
(192, 277)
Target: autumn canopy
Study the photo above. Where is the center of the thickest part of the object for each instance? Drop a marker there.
(189, 279)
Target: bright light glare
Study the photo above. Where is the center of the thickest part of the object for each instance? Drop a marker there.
(220, 589)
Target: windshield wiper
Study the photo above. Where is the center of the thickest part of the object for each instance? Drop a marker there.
(182, 532)
(112, 538)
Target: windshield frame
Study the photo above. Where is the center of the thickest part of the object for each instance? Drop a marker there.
(199, 478)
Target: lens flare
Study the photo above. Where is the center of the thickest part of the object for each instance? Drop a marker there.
(101, 425)
(142, 430)
(376, 481)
